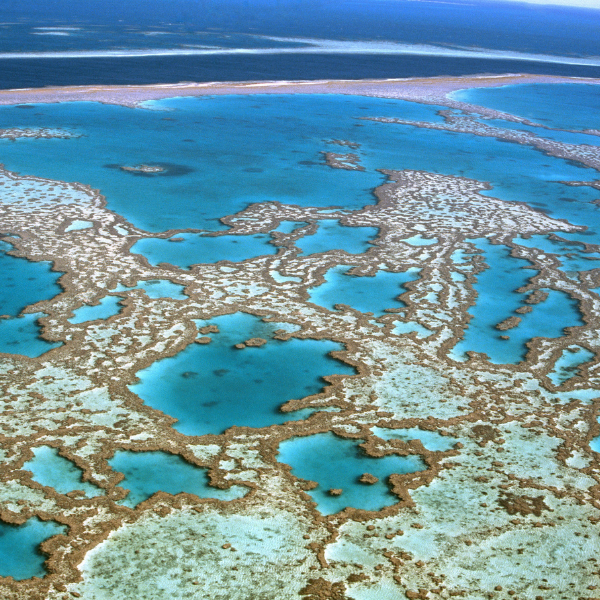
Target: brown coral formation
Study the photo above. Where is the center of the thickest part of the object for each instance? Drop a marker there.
(521, 474)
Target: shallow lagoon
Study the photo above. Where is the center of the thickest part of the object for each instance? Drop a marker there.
(579, 104)
(338, 463)
(212, 387)
(568, 364)
(332, 235)
(236, 150)
(365, 294)
(497, 300)
(24, 283)
(196, 249)
(50, 469)
(223, 153)
(149, 472)
(28, 561)
(20, 335)
(106, 307)
(571, 256)
(431, 440)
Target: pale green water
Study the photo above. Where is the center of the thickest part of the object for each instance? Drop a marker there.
(50, 469)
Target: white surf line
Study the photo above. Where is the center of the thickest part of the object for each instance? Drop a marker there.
(317, 46)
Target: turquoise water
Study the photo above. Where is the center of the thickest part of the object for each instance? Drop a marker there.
(419, 240)
(497, 300)
(20, 335)
(20, 555)
(24, 282)
(568, 363)
(149, 472)
(595, 443)
(79, 225)
(196, 249)
(219, 154)
(230, 151)
(431, 440)
(332, 235)
(560, 136)
(337, 463)
(579, 104)
(156, 288)
(107, 307)
(211, 387)
(50, 469)
(288, 226)
(571, 256)
(365, 294)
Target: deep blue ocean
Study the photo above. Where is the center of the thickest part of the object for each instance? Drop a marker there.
(67, 42)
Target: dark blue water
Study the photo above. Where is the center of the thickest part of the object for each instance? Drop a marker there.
(175, 24)
(174, 69)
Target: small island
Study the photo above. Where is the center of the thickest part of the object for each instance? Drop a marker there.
(143, 169)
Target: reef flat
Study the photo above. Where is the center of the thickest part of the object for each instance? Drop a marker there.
(333, 431)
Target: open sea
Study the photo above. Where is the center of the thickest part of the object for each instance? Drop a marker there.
(75, 43)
